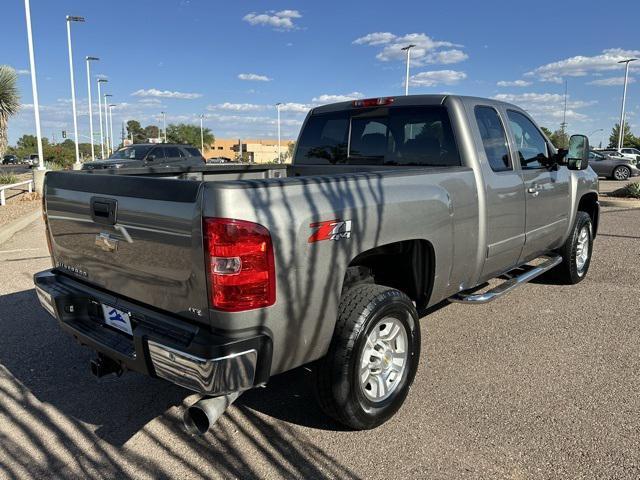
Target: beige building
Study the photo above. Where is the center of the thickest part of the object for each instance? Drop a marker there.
(255, 151)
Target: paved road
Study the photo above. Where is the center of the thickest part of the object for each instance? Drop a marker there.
(607, 186)
(541, 384)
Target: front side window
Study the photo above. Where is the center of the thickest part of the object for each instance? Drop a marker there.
(531, 145)
(380, 136)
(494, 138)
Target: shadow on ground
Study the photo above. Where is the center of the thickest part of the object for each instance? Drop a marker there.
(56, 420)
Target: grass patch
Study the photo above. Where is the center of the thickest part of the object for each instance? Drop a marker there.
(7, 178)
(631, 190)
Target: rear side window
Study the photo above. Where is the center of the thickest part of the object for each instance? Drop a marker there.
(532, 147)
(173, 152)
(158, 152)
(420, 136)
(494, 138)
(194, 152)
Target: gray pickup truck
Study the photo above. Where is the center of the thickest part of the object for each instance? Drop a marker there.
(218, 277)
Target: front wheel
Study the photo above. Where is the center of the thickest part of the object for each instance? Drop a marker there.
(365, 376)
(576, 252)
(621, 173)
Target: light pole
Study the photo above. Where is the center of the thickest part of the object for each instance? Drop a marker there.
(202, 134)
(111, 124)
(89, 59)
(624, 99)
(406, 82)
(34, 84)
(278, 105)
(73, 86)
(106, 122)
(164, 125)
(101, 80)
(596, 131)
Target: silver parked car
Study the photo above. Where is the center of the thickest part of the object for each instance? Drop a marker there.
(613, 166)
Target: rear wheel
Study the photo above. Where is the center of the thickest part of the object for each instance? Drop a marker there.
(621, 173)
(365, 376)
(576, 252)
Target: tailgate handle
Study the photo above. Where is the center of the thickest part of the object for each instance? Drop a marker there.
(104, 210)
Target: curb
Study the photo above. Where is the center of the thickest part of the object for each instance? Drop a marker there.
(615, 202)
(10, 229)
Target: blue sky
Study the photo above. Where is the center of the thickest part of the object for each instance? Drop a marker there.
(232, 61)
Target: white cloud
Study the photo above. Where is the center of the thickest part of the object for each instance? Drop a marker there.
(377, 38)
(154, 92)
(610, 82)
(150, 101)
(426, 50)
(295, 107)
(237, 107)
(580, 66)
(514, 83)
(547, 107)
(436, 77)
(282, 20)
(332, 98)
(23, 71)
(254, 77)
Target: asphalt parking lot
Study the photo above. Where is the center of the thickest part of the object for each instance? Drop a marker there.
(542, 383)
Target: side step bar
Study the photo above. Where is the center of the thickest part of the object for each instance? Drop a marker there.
(516, 278)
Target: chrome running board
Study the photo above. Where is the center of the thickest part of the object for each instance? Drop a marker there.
(516, 278)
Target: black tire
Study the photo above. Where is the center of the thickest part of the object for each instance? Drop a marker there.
(337, 375)
(569, 272)
(621, 173)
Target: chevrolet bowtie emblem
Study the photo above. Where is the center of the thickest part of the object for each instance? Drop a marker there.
(105, 242)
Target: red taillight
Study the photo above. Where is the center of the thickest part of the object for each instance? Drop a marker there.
(373, 102)
(240, 266)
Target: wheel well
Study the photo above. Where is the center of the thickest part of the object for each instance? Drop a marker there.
(589, 204)
(408, 266)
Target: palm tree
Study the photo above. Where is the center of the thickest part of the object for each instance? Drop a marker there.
(9, 102)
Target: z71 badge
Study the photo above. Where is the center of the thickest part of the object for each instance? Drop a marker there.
(330, 230)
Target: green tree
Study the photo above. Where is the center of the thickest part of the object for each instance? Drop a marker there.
(628, 140)
(185, 133)
(9, 102)
(547, 132)
(560, 139)
(136, 132)
(151, 131)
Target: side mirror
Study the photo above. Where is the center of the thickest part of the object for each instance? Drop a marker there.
(578, 155)
(151, 158)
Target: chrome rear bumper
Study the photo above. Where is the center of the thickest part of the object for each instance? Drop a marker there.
(232, 373)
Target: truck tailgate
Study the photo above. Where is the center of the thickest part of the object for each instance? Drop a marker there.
(137, 237)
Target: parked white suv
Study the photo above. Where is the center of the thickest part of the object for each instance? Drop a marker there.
(632, 153)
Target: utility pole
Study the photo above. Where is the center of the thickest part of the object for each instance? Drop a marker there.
(278, 105)
(563, 125)
(201, 134)
(34, 84)
(106, 123)
(70, 19)
(111, 125)
(624, 100)
(89, 59)
(101, 80)
(164, 125)
(406, 81)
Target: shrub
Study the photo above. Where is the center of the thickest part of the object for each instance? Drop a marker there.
(7, 178)
(631, 190)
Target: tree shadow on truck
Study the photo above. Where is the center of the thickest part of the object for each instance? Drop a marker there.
(58, 420)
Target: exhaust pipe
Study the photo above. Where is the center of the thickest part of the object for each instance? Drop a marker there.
(199, 417)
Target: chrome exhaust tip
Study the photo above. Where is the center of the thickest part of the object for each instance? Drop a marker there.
(200, 417)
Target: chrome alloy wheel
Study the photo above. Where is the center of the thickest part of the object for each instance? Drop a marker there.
(621, 173)
(582, 249)
(383, 359)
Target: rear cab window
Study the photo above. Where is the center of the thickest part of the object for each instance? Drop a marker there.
(494, 138)
(407, 136)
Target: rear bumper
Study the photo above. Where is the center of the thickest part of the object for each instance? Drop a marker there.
(162, 345)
